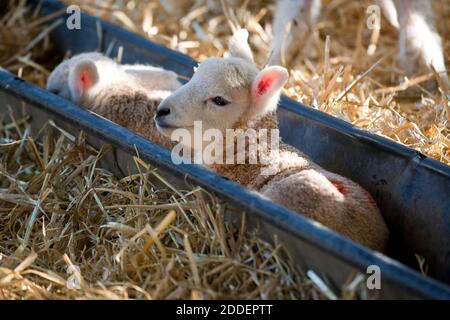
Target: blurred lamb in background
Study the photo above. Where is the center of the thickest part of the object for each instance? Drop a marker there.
(419, 41)
(125, 94)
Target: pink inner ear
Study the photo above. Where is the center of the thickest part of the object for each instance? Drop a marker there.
(86, 81)
(265, 83)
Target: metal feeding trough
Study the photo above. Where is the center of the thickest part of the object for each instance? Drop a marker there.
(412, 190)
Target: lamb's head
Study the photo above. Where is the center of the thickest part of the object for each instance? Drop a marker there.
(58, 80)
(92, 80)
(223, 92)
(90, 83)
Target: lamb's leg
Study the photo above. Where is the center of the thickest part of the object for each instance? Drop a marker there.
(334, 201)
(389, 12)
(291, 26)
(418, 37)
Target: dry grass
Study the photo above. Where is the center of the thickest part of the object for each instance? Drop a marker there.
(70, 229)
(25, 48)
(333, 80)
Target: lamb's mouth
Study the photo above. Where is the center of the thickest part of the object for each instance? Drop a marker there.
(167, 129)
(171, 127)
(168, 126)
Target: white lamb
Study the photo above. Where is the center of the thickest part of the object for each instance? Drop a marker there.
(231, 93)
(125, 94)
(419, 42)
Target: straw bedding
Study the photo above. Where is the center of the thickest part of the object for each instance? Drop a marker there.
(69, 229)
(72, 230)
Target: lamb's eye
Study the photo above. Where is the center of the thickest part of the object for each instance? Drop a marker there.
(220, 101)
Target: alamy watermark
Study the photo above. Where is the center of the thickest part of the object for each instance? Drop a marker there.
(374, 17)
(73, 22)
(373, 281)
(237, 146)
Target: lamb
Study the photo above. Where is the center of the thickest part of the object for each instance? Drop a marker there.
(419, 41)
(231, 93)
(125, 94)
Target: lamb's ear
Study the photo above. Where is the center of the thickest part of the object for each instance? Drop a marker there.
(267, 86)
(239, 47)
(82, 78)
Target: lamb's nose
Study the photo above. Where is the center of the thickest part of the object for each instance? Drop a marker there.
(161, 112)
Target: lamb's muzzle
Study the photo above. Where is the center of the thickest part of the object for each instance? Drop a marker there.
(162, 113)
